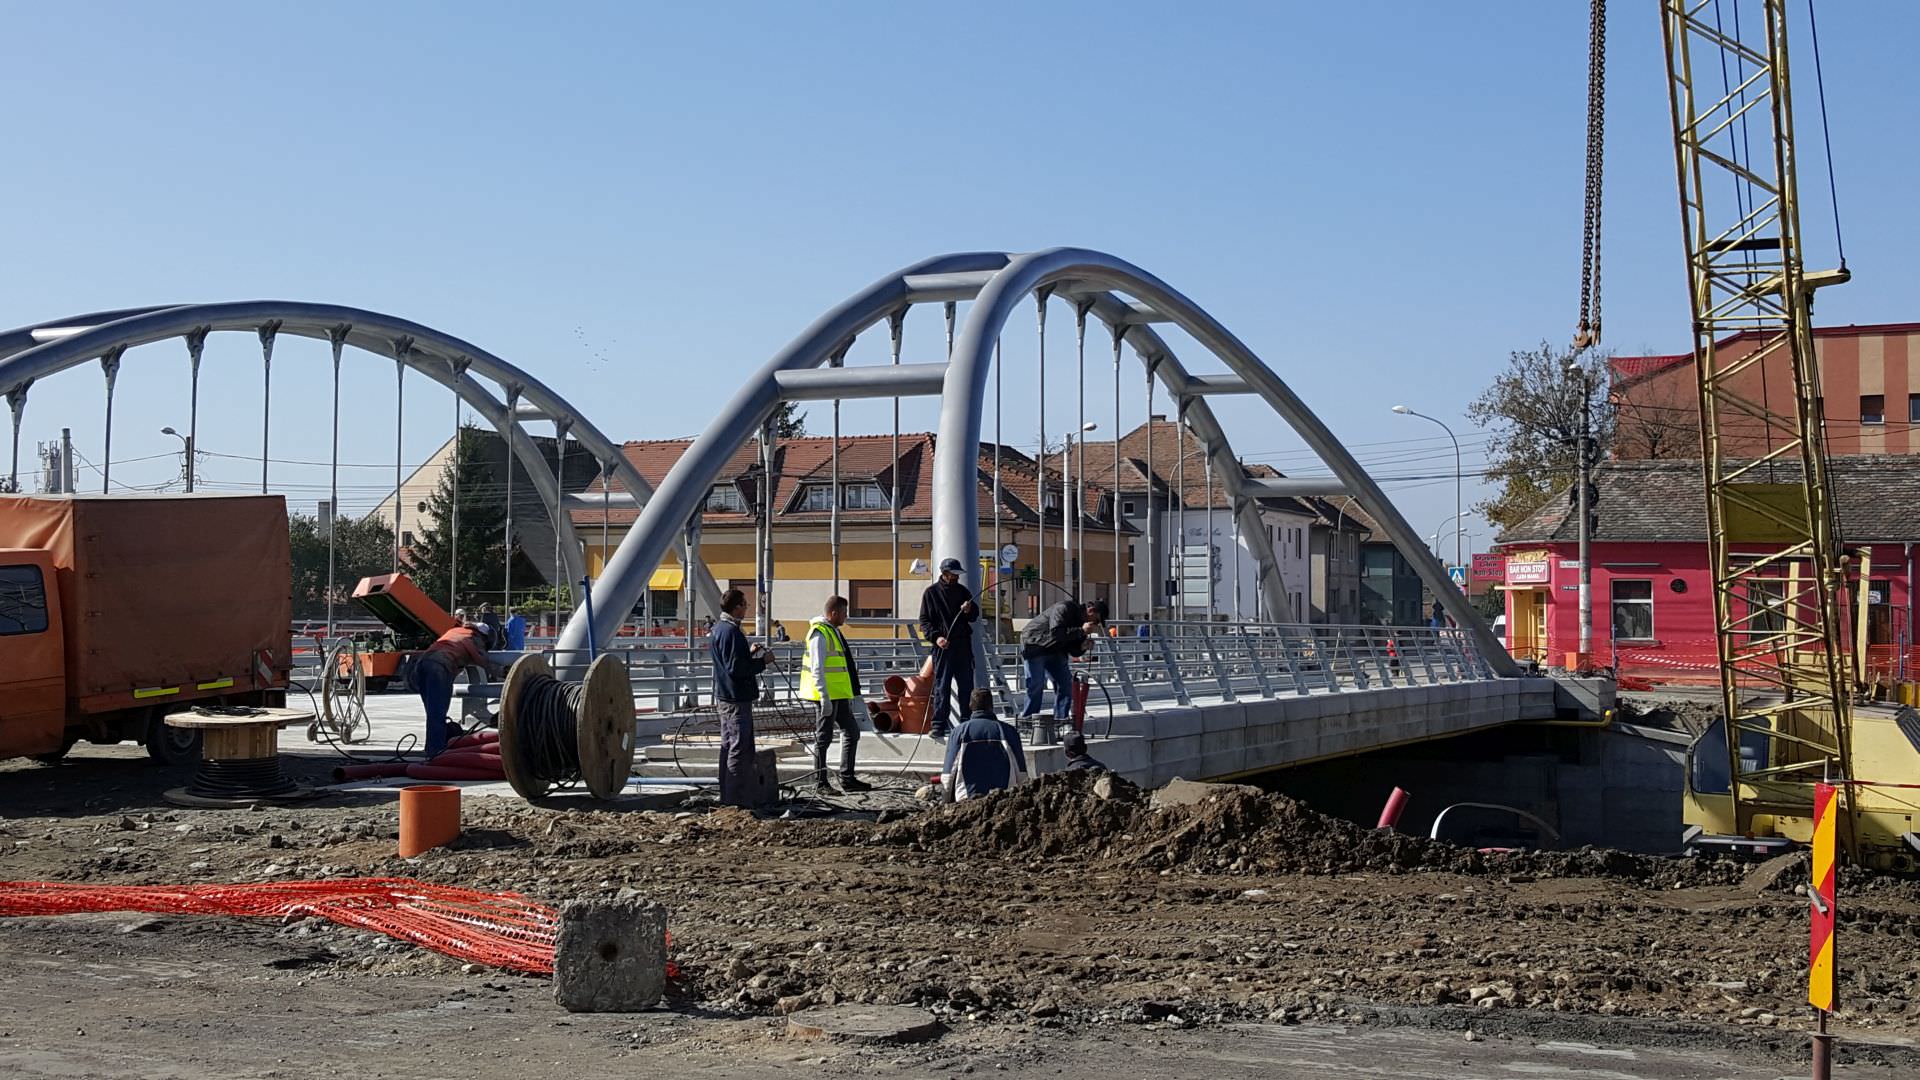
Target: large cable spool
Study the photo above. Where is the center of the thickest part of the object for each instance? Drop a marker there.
(554, 733)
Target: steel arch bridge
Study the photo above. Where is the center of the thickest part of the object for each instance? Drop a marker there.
(1127, 299)
(506, 395)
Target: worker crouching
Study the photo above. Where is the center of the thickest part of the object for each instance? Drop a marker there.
(830, 677)
(463, 646)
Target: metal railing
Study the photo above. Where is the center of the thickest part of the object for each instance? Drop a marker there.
(1172, 662)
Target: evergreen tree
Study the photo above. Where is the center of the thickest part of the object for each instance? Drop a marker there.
(477, 552)
(789, 422)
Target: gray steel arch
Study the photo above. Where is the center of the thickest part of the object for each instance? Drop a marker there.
(686, 484)
(447, 360)
(956, 525)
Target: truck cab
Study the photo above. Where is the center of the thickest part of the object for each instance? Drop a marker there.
(33, 673)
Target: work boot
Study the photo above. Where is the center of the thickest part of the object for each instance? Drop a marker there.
(851, 784)
(822, 788)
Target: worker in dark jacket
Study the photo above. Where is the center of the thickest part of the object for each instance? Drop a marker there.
(947, 612)
(736, 684)
(1048, 645)
(984, 754)
(1075, 744)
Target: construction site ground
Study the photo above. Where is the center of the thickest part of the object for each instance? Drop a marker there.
(1053, 931)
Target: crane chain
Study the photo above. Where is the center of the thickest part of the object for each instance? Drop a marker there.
(1588, 333)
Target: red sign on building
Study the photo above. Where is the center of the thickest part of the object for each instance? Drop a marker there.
(1489, 566)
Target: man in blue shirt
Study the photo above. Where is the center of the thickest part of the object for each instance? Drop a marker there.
(983, 754)
(516, 631)
(736, 685)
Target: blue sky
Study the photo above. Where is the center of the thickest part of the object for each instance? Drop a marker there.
(640, 203)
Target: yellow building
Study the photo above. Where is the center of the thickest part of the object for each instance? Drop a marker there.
(882, 579)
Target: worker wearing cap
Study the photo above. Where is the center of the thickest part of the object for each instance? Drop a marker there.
(947, 612)
(432, 677)
(830, 677)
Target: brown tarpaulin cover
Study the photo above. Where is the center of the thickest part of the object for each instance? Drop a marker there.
(162, 591)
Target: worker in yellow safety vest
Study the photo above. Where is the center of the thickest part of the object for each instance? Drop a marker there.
(830, 677)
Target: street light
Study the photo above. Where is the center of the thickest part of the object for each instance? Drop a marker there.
(1073, 539)
(1404, 411)
(186, 443)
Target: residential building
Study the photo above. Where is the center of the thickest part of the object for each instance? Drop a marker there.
(1201, 560)
(885, 591)
(1652, 582)
(531, 525)
(1869, 390)
(1391, 593)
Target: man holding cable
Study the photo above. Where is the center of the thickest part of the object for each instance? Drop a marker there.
(736, 685)
(947, 612)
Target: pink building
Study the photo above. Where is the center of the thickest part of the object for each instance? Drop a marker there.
(1652, 589)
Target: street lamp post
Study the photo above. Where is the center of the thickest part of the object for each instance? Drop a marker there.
(1073, 533)
(1403, 410)
(186, 441)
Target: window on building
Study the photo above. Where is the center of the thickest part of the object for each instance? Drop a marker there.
(863, 496)
(1913, 408)
(422, 507)
(1873, 408)
(725, 499)
(870, 599)
(1052, 500)
(1130, 563)
(406, 538)
(23, 600)
(1632, 610)
(1127, 508)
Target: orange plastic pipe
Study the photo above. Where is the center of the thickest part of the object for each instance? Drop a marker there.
(429, 817)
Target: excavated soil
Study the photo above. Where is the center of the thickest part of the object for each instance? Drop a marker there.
(1063, 903)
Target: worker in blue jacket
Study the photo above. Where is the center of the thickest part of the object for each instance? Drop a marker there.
(984, 753)
(736, 685)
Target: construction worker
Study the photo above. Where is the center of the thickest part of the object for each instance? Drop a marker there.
(432, 677)
(515, 631)
(831, 677)
(736, 685)
(947, 612)
(1075, 744)
(984, 753)
(1048, 645)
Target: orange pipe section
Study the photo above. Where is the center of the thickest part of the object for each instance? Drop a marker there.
(429, 817)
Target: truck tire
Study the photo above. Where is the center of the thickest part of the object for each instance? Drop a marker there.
(54, 757)
(170, 745)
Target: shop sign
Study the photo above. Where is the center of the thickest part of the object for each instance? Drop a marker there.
(1489, 566)
(1529, 568)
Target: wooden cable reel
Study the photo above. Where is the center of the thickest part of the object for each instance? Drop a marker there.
(535, 748)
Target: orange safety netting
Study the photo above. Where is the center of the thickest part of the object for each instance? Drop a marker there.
(504, 930)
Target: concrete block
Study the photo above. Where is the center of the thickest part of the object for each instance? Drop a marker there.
(1223, 718)
(1186, 792)
(1223, 763)
(611, 956)
(1174, 722)
(1183, 747)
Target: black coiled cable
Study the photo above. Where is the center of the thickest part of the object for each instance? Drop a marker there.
(544, 720)
(253, 779)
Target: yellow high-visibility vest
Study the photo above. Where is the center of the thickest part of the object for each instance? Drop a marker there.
(839, 681)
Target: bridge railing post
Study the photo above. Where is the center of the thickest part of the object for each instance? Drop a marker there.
(1123, 674)
(1360, 680)
(1285, 639)
(1171, 664)
(1220, 672)
(1254, 663)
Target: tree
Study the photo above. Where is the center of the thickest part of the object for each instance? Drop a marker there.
(1532, 413)
(478, 550)
(362, 547)
(1658, 420)
(788, 421)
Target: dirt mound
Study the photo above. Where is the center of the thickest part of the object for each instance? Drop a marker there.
(1240, 830)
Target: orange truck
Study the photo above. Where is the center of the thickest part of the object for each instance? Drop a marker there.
(413, 623)
(117, 610)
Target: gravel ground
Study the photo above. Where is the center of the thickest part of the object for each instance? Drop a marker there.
(1054, 913)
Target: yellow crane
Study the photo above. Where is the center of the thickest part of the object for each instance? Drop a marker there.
(1779, 568)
